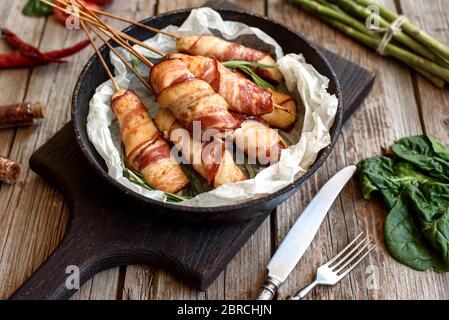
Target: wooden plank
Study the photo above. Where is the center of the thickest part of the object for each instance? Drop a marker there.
(15, 83)
(138, 283)
(103, 286)
(431, 16)
(389, 113)
(434, 107)
(165, 5)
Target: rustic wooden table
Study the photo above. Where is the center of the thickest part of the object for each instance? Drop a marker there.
(33, 215)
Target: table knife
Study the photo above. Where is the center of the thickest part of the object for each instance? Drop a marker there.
(300, 236)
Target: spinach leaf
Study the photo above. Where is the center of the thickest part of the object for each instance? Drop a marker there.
(430, 203)
(376, 175)
(426, 153)
(383, 175)
(404, 240)
(439, 148)
(415, 189)
(36, 8)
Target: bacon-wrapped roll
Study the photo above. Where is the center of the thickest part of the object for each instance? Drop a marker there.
(210, 46)
(211, 160)
(259, 141)
(285, 117)
(242, 95)
(188, 98)
(145, 150)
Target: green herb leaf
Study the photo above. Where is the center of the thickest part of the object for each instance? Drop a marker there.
(237, 63)
(245, 66)
(135, 67)
(134, 62)
(258, 80)
(197, 183)
(249, 168)
(36, 8)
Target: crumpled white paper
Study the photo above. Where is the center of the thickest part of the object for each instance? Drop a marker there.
(301, 80)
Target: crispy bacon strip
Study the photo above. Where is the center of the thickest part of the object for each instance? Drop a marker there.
(188, 98)
(211, 160)
(210, 46)
(242, 95)
(146, 151)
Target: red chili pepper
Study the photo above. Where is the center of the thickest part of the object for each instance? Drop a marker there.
(24, 48)
(13, 61)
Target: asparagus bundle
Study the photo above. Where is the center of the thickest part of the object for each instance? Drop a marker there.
(409, 44)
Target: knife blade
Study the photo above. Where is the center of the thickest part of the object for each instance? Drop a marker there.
(300, 236)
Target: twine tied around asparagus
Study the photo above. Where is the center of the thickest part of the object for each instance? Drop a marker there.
(389, 32)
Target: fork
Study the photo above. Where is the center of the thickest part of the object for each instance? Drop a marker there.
(336, 269)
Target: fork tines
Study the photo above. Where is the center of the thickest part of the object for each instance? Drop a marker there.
(351, 255)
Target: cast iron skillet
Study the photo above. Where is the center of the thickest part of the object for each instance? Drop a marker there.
(93, 75)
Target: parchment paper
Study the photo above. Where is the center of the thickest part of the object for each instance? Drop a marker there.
(302, 80)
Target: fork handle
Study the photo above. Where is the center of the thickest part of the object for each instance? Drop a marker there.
(304, 291)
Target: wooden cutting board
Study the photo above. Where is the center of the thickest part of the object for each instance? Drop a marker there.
(105, 231)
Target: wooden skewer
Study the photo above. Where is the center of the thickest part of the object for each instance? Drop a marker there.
(140, 43)
(124, 44)
(99, 23)
(283, 109)
(108, 71)
(139, 76)
(118, 36)
(141, 25)
(120, 56)
(86, 18)
(117, 87)
(116, 32)
(88, 12)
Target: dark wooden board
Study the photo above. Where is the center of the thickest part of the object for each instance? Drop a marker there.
(105, 231)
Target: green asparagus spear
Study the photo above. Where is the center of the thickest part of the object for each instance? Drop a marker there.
(331, 13)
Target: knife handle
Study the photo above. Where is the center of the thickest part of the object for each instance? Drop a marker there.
(269, 290)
